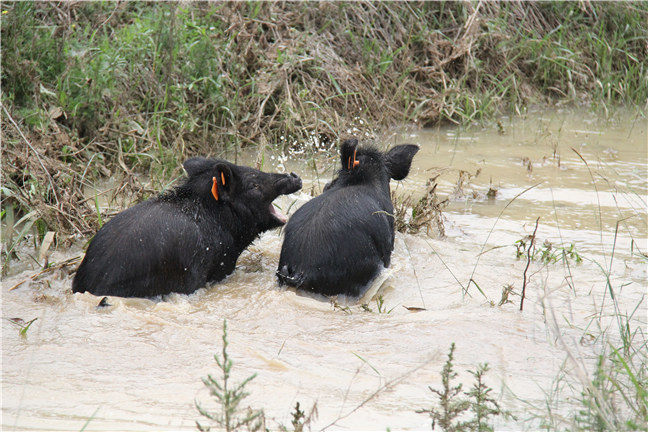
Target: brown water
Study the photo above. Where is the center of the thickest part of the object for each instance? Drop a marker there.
(138, 364)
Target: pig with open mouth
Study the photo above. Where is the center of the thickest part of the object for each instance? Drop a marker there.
(186, 237)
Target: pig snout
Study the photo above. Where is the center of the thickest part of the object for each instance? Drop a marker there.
(289, 183)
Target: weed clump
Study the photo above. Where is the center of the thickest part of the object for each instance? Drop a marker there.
(453, 408)
(299, 419)
(548, 253)
(616, 398)
(230, 416)
(426, 213)
(482, 404)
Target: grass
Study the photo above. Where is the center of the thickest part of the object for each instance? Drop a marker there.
(101, 88)
(380, 306)
(23, 326)
(612, 397)
(616, 395)
(14, 233)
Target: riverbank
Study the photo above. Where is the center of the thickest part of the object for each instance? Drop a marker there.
(134, 88)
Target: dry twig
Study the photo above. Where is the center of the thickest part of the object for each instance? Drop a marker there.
(529, 255)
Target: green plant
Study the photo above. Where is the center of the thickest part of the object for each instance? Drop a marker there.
(548, 253)
(96, 202)
(616, 397)
(426, 213)
(482, 403)
(380, 305)
(572, 253)
(589, 415)
(230, 416)
(22, 325)
(298, 418)
(451, 407)
(13, 237)
(507, 290)
(338, 306)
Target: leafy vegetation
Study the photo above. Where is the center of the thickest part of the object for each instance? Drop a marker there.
(230, 416)
(22, 325)
(98, 88)
(299, 419)
(411, 216)
(482, 404)
(548, 253)
(452, 409)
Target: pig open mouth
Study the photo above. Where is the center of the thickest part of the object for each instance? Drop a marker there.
(224, 208)
(277, 214)
(284, 186)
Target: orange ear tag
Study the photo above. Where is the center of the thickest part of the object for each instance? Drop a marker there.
(355, 162)
(223, 178)
(215, 188)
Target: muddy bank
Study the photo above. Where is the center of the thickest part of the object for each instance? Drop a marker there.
(100, 89)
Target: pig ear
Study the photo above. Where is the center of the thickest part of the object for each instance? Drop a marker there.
(347, 152)
(197, 165)
(222, 182)
(399, 160)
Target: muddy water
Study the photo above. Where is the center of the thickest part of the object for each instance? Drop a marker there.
(137, 365)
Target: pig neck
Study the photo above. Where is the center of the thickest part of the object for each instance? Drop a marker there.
(373, 185)
(216, 219)
(236, 220)
(241, 225)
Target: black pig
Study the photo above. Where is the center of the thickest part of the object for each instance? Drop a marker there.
(186, 237)
(339, 241)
